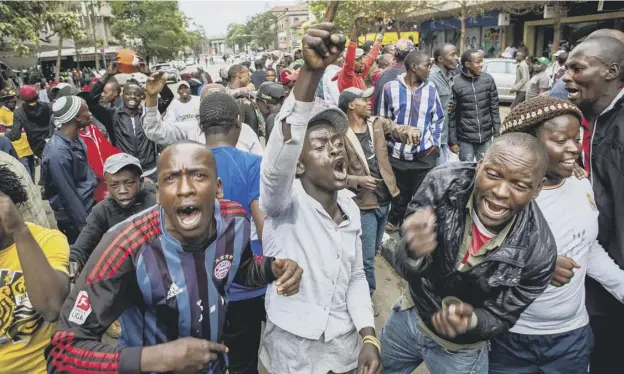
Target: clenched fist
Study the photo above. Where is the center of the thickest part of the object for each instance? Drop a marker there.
(322, 45)
(419, 233)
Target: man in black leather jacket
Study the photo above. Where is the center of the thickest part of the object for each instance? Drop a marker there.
(594, 81)
(476, 251)
(474, 118)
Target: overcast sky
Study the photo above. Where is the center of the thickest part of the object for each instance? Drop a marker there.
(216, 15)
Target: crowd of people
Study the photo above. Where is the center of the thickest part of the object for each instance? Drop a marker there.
(176, 234)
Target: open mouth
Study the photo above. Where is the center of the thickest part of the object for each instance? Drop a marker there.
(125, 202)
(568, 164)
(573, 93)
(132, 102)
(188, 216)
(340, 169)
(495, 210)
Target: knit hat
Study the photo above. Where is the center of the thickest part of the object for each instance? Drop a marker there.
(532, 113)
(66, 109)
(28, 93)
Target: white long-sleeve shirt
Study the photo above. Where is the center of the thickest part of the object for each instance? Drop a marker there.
(185, 116)
(572, 216)
(166, 133)
(333, 298)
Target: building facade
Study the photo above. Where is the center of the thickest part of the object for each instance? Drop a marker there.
(289, 25)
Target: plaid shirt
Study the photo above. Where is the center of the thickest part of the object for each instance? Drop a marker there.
(420, 108)
(32, 210)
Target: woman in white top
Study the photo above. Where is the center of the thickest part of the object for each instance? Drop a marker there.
(553, 334)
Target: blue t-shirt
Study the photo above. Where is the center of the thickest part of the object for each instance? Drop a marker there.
(240, 175)
(559, 91)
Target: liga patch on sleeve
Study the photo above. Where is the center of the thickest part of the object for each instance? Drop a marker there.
(81, 309)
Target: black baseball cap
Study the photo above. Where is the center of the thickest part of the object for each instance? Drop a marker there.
(347, 96)
(270, 91)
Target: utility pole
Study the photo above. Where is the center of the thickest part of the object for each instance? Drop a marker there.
(92, 17)
(287, 27)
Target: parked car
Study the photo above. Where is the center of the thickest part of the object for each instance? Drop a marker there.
(173, 74)
(504, 73)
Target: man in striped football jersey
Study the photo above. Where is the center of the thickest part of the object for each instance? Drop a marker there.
(167, 272)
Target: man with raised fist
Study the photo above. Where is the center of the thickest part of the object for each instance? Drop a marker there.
(311, 217)
(476, 251)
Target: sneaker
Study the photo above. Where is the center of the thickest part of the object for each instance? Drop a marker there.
(114, 330)
(375, 310)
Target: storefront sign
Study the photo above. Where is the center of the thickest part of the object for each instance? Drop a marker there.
(504, 19)
(551, 11)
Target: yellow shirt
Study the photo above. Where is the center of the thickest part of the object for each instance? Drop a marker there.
(21, 145)
(23, 333)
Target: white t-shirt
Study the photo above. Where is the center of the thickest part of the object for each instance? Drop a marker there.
(572, 216)
(184, 116)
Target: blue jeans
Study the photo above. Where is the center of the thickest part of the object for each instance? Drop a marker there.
(404, 347)
(445, 154)
(473, 151)
(373, 227)
(564, 353)
(29, 164)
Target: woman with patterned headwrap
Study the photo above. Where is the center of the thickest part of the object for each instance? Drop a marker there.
(553, 334)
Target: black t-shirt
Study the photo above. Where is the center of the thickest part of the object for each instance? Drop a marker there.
(382, 192)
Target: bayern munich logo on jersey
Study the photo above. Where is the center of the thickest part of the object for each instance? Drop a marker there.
(222, 269)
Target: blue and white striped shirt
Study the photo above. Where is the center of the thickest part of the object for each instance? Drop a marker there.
(420, 108)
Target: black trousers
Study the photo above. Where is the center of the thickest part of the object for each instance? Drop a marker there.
(243, 324)
(608, 332)
(409, 176)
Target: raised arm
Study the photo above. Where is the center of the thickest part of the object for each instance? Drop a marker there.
(371, 56)
(285, 144)
(44, 263)
(157, 130)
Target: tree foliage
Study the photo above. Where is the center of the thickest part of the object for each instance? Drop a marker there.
(24, 23)
(260, 27)
(152, 28)
(257, 31)
(237, 34)
(374, 11)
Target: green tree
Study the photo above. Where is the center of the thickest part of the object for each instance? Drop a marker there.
(237, 34)
(152, 28)
(260, 27)
(27, 22)
(397, 11)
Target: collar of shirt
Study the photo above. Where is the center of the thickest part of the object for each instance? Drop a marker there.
(66, 139)
(344, 196)
(613, 102)
(401, 79)
(490, 245)
(435, 69)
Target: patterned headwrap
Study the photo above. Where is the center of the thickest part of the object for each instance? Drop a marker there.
(402, 48)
